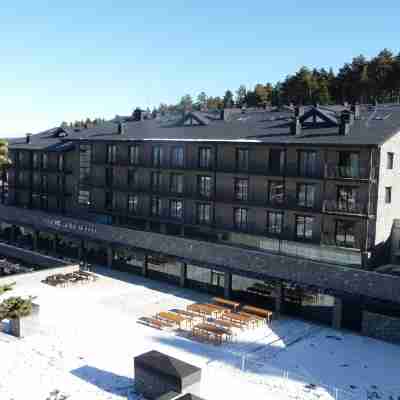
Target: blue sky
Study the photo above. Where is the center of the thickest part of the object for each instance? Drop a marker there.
(100, 58)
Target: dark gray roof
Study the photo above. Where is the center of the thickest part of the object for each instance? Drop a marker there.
(375, 126)
(165, 364)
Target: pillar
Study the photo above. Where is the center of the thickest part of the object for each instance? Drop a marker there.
(110, 257)
(337, 313)
(35, 240)
(183, 276)
(81, 250)
(279, 299)
(145, 267)
(227, 285)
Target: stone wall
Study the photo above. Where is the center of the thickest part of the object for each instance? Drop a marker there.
(381, 326)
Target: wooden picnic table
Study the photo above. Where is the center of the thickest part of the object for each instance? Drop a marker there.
(203, 310)
(175, 319)
(212, 332)
(258, 311)
(231, 304)
(218, 309)
(239, 319)
(258, 321)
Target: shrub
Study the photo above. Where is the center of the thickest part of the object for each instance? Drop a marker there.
(15, 307)
(6, 288)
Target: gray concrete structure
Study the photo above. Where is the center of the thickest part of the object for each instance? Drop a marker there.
(381, 326)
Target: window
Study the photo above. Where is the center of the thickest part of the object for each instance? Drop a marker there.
(111, 153)
(157, 156)
(156, 206)
(205, 157)
(274, 222)
(176, 209)
(60, 162)
(156, 179)
(36, 180)
(390, 160)
(44, 183)
(347, 197)
(177, 160)
(132, 177)
(304, 227)
(44, 202)
(84, 198)
(35, 200)
(242, 159)
(241, 189)
(85, 155)
(204, 186)
(305, 195)
(276, 192)
(277, 161)
(349, 164)
(61, 182)
(133, 203)
(61, 204)
(35, 160)
(134, 154)
(388, 195)
(307, 163)
(176, 183)
(345, 234)
(45, 161)
(21, 178)
(109, 176)
(109, 200)
(21, 158)
(240, 218)
(203, 213)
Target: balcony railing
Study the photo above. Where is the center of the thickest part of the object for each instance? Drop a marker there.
(335, 207)
(348, 172)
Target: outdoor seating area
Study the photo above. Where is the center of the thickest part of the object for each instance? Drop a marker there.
(70, 279)
(217, 322)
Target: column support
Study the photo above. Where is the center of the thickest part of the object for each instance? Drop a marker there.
(279, 299)
(182, 280)
(227, 285)
(145, 267)
(337, 313)
(110, 256)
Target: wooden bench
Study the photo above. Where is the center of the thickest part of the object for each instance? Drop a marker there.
(267, 314)
(227, 303)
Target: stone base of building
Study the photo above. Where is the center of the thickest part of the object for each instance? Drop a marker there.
(381, 326)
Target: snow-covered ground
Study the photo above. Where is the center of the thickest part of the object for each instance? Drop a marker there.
(89, 337)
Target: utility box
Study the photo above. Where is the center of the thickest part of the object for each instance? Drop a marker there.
(161, 377)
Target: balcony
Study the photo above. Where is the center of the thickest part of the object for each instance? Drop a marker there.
(334, 171)
(344, 208)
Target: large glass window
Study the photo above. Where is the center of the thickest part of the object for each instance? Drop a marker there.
(45, 161)
(132, 177)
(133, 203)
(304, 227)
(203, 213)
(176, 209)
(111, 153)
(345, 234)
(134, 154)
(44, 202)
(346, 198)
(109, 200)
(157, 156)
(36, 180)
(277, 161)
(156, 181)
(388, 195)
(274, 222)
(109, 176)
(240, 218)
(176, 183)
(60, 162)
(305, 195)
(44, 183)
(241, 189)
(156, 207)
(177, 160)
(307, 163)
(349, 164)
(276, 192)
(35, 160)
(242, 159)
(84, 198)
(204, 186)
(85, 155)
(390, 160)
(205, 157)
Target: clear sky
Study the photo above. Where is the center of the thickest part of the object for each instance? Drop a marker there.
(99, 58)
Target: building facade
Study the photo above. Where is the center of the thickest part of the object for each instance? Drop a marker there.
(314, 185)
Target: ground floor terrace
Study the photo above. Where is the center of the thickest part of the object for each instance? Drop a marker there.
(332, 295)
(89, 336)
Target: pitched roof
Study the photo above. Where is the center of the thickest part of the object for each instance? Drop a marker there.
(320, 126)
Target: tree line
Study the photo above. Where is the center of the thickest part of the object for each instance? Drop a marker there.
(362, 80)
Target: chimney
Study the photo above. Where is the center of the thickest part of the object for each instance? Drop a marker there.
(345, 122)
(295, 127)
(28, 137)
(137, 114)
(355, 109)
